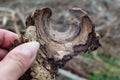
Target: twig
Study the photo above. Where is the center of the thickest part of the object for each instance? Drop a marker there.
(15, 25)
(4, 20)
(108, 24)
(13, 13)
(21, 16)
(116, 36)
(70, 75)
(79, 9)
(105, 65)
(30, 10)
(7, 10)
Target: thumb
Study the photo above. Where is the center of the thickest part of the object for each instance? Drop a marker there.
(18, 61)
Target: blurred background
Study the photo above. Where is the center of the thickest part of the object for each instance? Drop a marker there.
(102, 64)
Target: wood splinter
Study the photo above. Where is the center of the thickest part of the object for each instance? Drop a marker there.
(57, 47)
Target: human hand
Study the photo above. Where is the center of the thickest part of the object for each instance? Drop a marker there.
(13, 64)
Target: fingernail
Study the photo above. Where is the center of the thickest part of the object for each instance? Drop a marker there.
(30, 49)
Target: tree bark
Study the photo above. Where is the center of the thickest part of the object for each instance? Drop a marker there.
(57, 47)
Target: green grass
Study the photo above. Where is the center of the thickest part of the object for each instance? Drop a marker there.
(87, 55)
(102, 76)
(111, 73)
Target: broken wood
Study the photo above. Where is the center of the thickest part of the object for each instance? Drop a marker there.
(57, 47)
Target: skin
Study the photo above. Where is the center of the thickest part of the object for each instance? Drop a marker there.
(14, 63)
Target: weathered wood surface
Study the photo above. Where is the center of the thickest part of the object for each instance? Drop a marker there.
(57, 47)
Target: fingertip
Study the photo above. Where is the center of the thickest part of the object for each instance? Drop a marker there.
(6, 38)
(2, 53)
(20, 59)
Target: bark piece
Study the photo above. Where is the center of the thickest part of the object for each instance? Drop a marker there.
(58, 47)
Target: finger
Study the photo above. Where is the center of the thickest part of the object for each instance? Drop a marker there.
(18, 60)
(6, 38)
(2, 53)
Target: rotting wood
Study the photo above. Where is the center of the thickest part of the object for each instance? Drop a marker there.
(57, 47)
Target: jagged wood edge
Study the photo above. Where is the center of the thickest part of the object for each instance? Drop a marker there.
(91, 43)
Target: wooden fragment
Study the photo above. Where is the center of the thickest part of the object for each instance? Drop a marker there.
(57, 47)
